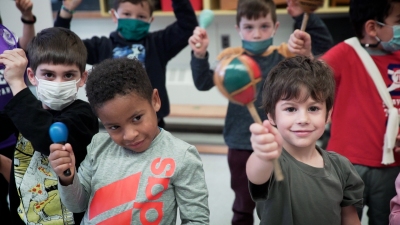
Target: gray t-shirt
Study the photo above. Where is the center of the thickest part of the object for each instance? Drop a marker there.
(309, 195)
(124, 187)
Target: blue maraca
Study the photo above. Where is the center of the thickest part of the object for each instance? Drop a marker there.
(205, 19)
(59, 134)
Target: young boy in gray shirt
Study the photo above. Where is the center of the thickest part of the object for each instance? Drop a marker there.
(136, 173)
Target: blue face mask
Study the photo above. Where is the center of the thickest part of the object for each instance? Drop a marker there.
(257, 47)
(393, 44)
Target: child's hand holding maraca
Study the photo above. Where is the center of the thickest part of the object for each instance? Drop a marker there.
(199, 42)
(266, 141)
(300, 43)
(61, 159)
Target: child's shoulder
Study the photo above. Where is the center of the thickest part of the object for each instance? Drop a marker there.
(339, 162)
(167, 139)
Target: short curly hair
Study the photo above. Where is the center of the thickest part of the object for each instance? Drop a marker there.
(286, 80)
(120, 76)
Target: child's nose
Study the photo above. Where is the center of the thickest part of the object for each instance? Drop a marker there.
(303, 117)
(130, 134)
(256, 34)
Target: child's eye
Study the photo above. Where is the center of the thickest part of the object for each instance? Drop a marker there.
(69, 75)
(313, 108)
(112, 127)
(290, 109)
(48, 75)
(265, 26)
(248, 27)
(137, 118)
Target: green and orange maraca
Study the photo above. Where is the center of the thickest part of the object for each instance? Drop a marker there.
(236, 77)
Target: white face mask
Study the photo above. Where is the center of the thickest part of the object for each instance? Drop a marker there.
(56, 95)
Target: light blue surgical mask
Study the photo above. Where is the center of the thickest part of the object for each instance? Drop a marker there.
(257, 47)
(393, 44)
(132, 29)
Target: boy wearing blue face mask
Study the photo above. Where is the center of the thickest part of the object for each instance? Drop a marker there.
(256, 23)
(364, 126)
(57, 69)
(132, 39)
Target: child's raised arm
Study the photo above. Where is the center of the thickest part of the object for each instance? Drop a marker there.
(300, 43)
(28, 19)
(199, 42)
(15, 61)
(68, 8)
(267, 146)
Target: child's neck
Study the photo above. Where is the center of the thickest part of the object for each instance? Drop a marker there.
(309, 156)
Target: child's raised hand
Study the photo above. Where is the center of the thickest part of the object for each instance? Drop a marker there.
(266, 141)
(293, 8)
(25, 7)
(71, 4)
(62, 158)
(300, 43)
(199, 42)
(15, 62)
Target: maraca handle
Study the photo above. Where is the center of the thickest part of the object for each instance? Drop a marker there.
(304, 22)
(277, 167)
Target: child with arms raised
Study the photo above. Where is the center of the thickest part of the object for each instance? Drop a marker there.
(57, 69)
(364, 120)
(132, 39)
(137, 173)
(256, 23)
(319, 187)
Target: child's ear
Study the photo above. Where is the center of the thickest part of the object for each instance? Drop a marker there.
(271, 121)
(328, 118)
(155, 100)
(370, 28)
(83, 79)
(276, 27)
(113, 16)
(151, 19)
(31, 76)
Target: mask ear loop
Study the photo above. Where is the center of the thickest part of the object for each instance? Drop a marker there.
(378, 39)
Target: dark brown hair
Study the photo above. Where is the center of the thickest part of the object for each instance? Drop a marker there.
(290, 76)
(57, 45)
(135, 2)
(254, 9)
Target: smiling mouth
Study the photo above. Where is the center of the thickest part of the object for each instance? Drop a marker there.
(136, 144)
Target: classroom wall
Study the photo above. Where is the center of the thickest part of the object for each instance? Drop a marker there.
(179, 80)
